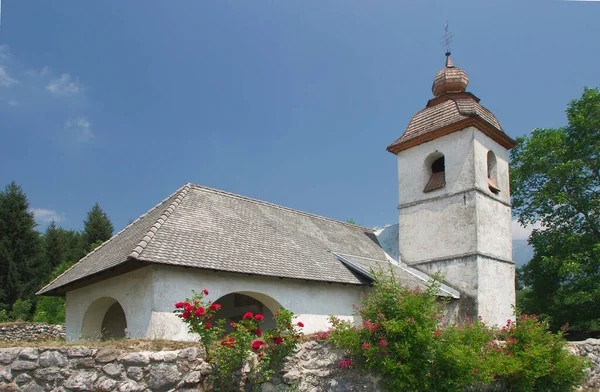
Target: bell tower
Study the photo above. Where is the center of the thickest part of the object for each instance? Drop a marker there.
(454, 198)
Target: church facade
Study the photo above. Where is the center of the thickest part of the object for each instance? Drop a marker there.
(251, 255)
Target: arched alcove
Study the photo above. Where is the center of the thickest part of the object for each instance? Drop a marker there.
(235, 305)
(435, 169)
(104, 319)
(492, 173)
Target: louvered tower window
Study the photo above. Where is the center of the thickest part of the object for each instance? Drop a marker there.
(492, 173)
(437, 179)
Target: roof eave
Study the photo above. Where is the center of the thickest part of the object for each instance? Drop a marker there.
(494, 133)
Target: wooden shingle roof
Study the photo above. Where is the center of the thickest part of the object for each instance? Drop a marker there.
(206, 228)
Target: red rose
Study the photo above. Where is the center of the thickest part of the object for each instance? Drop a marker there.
(232, 340)
(366, 346)
(277, 340)
(276, 314)
(258, 333)
(297, 337)
(205, 291)
(196, 302)
(257, 344)
(300, 324)
(383, 343)
(247, 316)
(186, 315)
(199, 312)
(215, 307)
(260, 355)
(207, 325)
(259, 317)
(233, 325)
(189, 307)
(179, 305)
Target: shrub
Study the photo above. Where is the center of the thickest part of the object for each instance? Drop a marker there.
(4, 316)
(404, 340)
(50, 310)
(21, 310)
(246, 356)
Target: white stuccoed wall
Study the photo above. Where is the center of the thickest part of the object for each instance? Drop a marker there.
(463, 229)
(148, 296)
(311, 302)
(132, 290)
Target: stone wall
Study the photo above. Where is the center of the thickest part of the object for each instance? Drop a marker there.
(314, 367)
(31, 331)
(589, 349)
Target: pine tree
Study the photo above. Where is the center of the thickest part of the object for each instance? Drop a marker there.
(97, 227)
(20, 261)
(54, 246)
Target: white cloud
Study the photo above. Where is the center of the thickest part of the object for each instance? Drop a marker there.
(522, 233)
(82, 128)
(43, 215)
(5, 79)
(63, 85)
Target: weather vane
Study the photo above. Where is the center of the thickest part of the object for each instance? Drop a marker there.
(447, 39)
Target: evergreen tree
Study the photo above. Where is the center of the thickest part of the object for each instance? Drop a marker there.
(97, 227)
(54, 245)
(20, 261)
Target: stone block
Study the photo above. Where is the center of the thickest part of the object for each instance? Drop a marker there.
(107, 355)
(52, 359)
(136, 359)
(82, 380)
(163, 377)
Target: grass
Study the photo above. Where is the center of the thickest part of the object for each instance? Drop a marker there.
(121, 344)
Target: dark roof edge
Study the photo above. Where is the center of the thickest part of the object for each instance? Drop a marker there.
(355, 267)
(269, 204)
(416, 273)
(45, 288)
(135, 253)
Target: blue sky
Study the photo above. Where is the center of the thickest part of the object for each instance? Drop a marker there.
(293, 102)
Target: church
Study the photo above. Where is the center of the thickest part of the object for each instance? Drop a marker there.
(251, 255)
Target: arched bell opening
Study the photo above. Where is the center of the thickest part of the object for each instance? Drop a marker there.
(435, 168)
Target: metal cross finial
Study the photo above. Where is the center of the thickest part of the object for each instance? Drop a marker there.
(447, 39)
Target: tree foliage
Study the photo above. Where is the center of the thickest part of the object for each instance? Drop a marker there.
(51, 310)
(555, 181)
(21, 267)
(97, 227)
(404, 341)
(29, 260)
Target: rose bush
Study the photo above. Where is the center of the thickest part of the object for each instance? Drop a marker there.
(404, 340)
(247, 356)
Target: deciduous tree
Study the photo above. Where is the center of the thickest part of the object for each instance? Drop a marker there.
(555, 180)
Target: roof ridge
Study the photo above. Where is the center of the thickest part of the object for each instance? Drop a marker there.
(160, 221)
(108, 240)
(266, 203)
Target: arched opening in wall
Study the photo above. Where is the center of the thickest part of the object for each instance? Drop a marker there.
(435, 165)
(492, 173)
(236, 305)
(104, 319)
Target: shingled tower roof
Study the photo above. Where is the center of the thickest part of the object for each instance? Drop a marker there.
(452, 109)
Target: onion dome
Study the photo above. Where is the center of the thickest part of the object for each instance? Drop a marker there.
(450, 79)
(451, 110)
